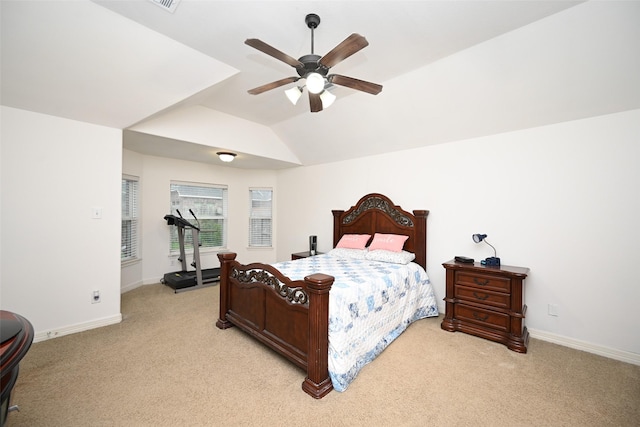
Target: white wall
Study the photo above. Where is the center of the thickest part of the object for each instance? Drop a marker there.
(561, 200)
(156, 174)
(54, 254)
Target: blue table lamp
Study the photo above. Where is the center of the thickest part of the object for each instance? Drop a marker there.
(493, 261)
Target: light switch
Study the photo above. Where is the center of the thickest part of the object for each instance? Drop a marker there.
(96, 213)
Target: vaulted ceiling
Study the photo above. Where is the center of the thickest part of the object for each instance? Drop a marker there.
(176, 82)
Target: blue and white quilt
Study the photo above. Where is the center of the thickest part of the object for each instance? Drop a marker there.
(370, 304)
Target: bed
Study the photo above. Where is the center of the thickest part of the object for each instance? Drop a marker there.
(333, 313)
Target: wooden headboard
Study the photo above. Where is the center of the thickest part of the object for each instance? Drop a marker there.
(375, 213)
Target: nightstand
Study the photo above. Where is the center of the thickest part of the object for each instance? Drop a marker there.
(300, 255)
(487, 302)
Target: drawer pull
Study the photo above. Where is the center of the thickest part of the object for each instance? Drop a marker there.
(481, 297)
(479, 282)
(479, 317)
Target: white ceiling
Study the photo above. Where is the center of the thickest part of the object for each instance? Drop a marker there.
(129, 63)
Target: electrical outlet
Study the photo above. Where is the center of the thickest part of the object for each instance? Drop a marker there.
(95, 297)
(553, 309)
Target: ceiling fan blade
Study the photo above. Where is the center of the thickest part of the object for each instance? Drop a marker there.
(315, 102)
(348, 47)
(258, 90)
(272, 51)
(356, 84)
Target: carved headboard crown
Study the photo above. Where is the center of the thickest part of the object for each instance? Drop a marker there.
(376, 213)
(378, 201)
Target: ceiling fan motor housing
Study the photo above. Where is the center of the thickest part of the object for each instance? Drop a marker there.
(311, 65)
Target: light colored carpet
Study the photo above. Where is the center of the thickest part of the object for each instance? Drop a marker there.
(167, 364)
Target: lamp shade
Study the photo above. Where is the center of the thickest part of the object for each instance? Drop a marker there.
(327, 98)
(479, 237)
(226, 156)
(293, 94)
(315, 83)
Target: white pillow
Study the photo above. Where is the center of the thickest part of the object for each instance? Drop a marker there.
(348, 253)
(403, 257)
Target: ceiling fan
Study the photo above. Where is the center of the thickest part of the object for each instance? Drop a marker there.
(315, 69)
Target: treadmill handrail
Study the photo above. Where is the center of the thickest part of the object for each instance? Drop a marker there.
(179, 222)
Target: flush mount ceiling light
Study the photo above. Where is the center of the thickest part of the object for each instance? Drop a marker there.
(315, 69)
(226, 156)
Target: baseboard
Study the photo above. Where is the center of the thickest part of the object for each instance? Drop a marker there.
(623, 356)
(106, 321)
(136, 285)
(130, 287)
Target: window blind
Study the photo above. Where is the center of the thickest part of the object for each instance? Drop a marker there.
(260, 217)
(129, 234)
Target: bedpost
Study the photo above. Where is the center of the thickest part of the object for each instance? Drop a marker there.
(317, 383)
(226, 258)
(336, 227)
(421, 237)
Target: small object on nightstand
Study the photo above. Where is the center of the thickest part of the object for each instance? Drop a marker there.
(464, 259)
(313, 245)
(492, 261)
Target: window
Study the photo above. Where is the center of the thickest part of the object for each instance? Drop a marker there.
(260, 230)
(129, 234)
(209, 205)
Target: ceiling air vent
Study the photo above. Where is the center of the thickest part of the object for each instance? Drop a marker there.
(168, 5)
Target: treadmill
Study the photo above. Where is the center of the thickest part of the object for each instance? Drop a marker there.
(186, 280)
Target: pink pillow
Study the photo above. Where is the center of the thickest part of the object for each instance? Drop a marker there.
(388, 242)
(353, 241)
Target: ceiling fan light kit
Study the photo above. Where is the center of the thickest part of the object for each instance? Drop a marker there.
(315, 83)
(327, 99)
(294, 94)
(315, 69)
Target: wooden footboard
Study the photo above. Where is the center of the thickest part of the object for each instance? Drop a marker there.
(291, 317)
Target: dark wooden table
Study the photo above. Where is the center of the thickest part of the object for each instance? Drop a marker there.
(16, 336)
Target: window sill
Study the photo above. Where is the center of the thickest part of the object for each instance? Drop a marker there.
(129, 262)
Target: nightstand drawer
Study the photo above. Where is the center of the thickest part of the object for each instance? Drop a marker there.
(500, 284)
(487, 318)
(483, 296)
